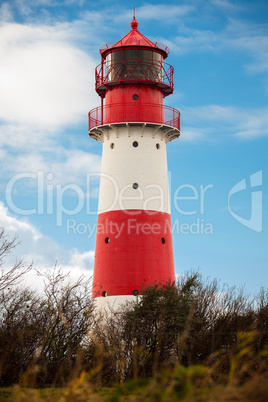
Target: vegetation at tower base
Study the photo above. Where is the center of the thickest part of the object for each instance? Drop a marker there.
(194, 340)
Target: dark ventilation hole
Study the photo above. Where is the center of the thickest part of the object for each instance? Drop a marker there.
(135, 186)
(112, 145)
(163, 240)
(107, 240)
(104, 294)
(135, 97)
(135, 292)
(157, 146)
(135, 144)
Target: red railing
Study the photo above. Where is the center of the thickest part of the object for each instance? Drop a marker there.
(134, 70)
(148, 113)
(157, 44)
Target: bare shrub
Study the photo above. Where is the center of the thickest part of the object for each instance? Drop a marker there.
(68, 310)
(12, 276)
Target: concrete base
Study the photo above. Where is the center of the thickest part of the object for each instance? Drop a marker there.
(113, 303)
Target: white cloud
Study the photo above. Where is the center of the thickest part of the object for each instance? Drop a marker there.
(26, 151)
(12, 225)
(192, 134)
(194, 40)
(66, 166)
(226, 5)
(23, 136)
(83, 261)
(5, 12)
(228, 120)
(45, 81)
(47, 86)
(163, 12)
(43, 251)
(245, 38)
(257, 46)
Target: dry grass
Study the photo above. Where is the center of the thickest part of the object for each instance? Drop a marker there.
(247, 381)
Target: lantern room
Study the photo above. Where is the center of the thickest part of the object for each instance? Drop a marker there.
(133, 74)
(134, 59)
(132, 80)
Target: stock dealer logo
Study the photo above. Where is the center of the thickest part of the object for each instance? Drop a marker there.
(255, 220)
(188, 201)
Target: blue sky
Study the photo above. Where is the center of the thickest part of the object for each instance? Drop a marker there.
(219, 50)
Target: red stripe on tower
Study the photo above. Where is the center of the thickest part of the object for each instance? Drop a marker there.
(134, 236)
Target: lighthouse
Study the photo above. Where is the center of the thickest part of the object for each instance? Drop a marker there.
(134, 233)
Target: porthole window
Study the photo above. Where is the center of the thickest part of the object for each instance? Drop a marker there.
(135, 97)
(135, 144)
(112, 145)
(107, 240)
(135, 292)
(135, 186)
(104, 294)
(163, 240)
(157, 146)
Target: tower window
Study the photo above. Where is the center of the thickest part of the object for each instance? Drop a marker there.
(107, 240)
(135, 292)
(157, 146)
(112, 145)
(135, 97)
(104, 294)
(163, 240)
(135, 186)
(135, 144)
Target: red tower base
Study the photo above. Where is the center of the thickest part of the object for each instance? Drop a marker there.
(133, 249)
